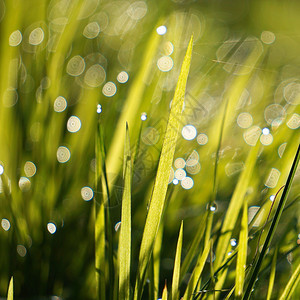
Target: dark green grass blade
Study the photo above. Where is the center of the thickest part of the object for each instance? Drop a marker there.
(272, 275)
(273, 225)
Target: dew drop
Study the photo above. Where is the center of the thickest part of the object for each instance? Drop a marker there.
(5, 224)
(63, 154)
(117, 226)
(73, 124)
(143, 116)
(272, 198)
(109, 89)
(265, 131)
(51, 227)
(99, 108)
(175, 181)
(60, 104)
(87, 193)
(123, 77)
(189, 132)
(161, 30)
(1, 169)
(187, 183)
(15, 38)
(233, 242)
(212, 207)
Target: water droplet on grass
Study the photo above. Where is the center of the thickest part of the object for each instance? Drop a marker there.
(51, 227)
(1, 169)
(99, 108)
(189, 132)
(117, 226)
(143, 116)
(161, 30)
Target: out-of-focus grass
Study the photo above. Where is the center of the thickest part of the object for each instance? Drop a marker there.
(59, 59)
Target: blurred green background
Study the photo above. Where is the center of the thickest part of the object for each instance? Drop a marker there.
(61, 58)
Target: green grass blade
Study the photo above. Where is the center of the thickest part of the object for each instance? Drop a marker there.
(242, 254)
(273, 225)
(125, 232)
(99, 222)
(291, 285)
(10, 292)
(196, 273)
(162, 177)
(194, 246)
(176, 271)
(272, 275)
(165, 293)
(235, 206)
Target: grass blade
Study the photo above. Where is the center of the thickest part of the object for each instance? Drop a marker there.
(242, 254)
(235, 206)
(194, 247)
(125, 232)
(272, 275)
(165, 293)
(274, 224)
(291, 285)
(176, 272)
(196, 272)
(10, 292)
(162, 176)
(99, 221)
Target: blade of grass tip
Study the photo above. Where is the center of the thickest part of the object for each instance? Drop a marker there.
(235, 205)
(230, 293)
(10, 292)
(125, 232)
(274, 224)
(131, 106)
(165, 292)
(194, 247)
(272, 275)
(242, 254)
(176, 271)
(190, 289)
(99, 223)
(163, 172)
(291, 285)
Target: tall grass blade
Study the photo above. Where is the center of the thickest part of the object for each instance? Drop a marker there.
(242, 254)
(99, 221)
(235, 206)
(272, 275)
(291, 285)
(125, 232)
(10, 292)
(161, 182)
(273, 225)
(176, 271)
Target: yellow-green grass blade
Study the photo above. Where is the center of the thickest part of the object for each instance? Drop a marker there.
(176, 271)
(272, 275)
(156, 259)
(131, 107)
(190, 289)
(235, 206)
(194, 246)
(242, 254)
(291, 285)
(125, 232)
(165, 293)
(162, 177)
(274, 224)
(10, 292)
(99, 223)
